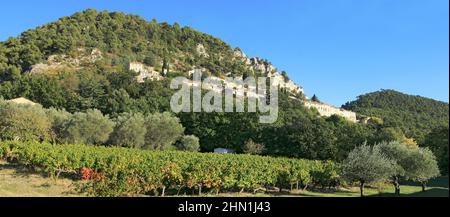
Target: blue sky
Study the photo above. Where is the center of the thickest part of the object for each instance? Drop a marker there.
(337, 49)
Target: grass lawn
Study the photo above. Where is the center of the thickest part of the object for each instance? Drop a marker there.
(17, 181)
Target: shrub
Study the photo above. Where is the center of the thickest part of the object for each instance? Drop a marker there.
(189, 143)
(251, 147)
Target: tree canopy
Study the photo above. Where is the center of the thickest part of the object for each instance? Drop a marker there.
(416, 116)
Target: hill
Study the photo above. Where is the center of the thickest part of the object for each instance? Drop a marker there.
(414, 115)
(116, 39)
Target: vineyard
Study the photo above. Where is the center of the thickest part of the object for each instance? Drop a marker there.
(110, 171)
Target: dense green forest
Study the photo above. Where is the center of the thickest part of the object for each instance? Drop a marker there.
(104, 95)
(414, 115)
(123, 38)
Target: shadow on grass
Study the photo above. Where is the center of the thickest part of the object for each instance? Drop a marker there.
(19, 171)
(434, 192)
(440, 182)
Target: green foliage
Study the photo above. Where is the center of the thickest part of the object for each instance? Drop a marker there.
(88, 128)
(298, 132)
(413, 163)
(120, 34)
(348, 135)
(23, 122)
(129, 131)
(189, 143)
(399, 153)
(163, 130)
(402, 155)
(416, 116)
(308, 137)
(225, 130)
(121, 171)
(58, 119)
(8, 73)
(285, 76)
(314, 98)
(437, 141)
(423, 166)
(367, 164)
(251, 147)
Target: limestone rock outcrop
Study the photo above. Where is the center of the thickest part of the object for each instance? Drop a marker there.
(67, 63)
(201, 50)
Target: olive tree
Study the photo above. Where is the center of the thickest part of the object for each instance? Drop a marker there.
(23, 122)
(422, 166)
(163, 130)
(57, 118)
(91, 127)
(367, 164)
(129, 130)
(401, 154)
(412, 163)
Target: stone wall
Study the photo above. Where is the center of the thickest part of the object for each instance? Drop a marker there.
(328, 110)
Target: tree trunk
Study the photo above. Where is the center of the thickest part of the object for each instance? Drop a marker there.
(163, 191)
(242, 190)
(179, 189)
(200, 190)
(296, 185)
(397, 190)
(424, 186)
(361, 188)
(396, 185)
